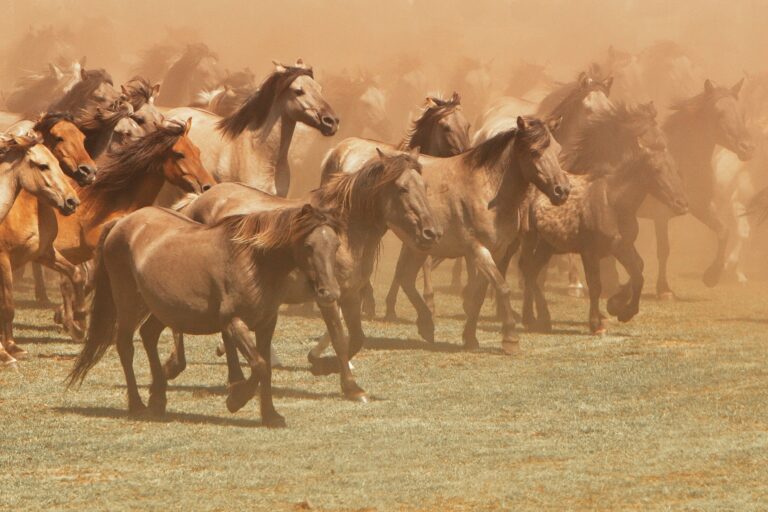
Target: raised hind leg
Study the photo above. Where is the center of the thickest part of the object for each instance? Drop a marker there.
(41, 293)
(177, 360)
(594, 284)
(663, 290)
(150, 334)
(73, 286)
(709, 217)
(412, 261)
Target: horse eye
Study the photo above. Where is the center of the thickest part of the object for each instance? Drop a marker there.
(402, 190)
(59, 139)
(139, 120)
(43, 167)
(177, 155)
(299, 92)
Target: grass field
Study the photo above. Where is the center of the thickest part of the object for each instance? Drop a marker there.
(668, 412)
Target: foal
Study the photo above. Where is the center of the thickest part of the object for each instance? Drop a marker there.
(227, 278)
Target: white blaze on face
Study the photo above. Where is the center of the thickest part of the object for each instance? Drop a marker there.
(596, 102)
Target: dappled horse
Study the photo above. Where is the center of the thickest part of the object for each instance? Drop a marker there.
(27, 167)
(476, 197)
(251, 145)
(228, 278)
(388, 193)
(599, 217)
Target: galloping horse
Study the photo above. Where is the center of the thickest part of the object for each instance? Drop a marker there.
(476, 198)
(26, 167)
(34, 92)
(228, 278)
(197, 69)
(599, 217)
(693, 130)
(251, 145)
(388, 193)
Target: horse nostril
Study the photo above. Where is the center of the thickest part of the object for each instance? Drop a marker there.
(71, 202)
(559, 191)
(207, 186)
(329, 121)
(430, 234)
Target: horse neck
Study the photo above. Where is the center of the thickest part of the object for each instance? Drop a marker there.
(506, 178)
(9, 188)
(626, 188)
(271, 142)
(690, 142)
(97, 142)
(268, 271)
(133, 198)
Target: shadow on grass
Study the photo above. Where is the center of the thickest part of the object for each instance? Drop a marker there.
(43, 340)
(277, 391)
(169, 417)
(745, 320)
(409, 344)
(33, 304)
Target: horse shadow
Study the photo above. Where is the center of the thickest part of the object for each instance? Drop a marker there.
(221, 390)
(411, 344)
(168, 417)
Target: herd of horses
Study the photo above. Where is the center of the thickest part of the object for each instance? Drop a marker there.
(166, 206)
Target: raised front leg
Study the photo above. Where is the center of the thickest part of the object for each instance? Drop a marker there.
(177, 360)
(350, 389)
(41, 294)
(711, 219)
(663, 290)
(633, 263)
(394, 287)
(73, 291)
(409, 264)
(592, 273)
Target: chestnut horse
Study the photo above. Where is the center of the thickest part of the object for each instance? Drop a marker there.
(388, 193)
(26, 168)
(227, 278)
(476, 198)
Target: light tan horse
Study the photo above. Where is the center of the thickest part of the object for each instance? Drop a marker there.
(476, 198)
(251, 145)
(27, 167)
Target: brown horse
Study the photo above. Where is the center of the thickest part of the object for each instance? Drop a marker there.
(388, 193)
(693, 129)
(227, 278)
(130, 178)
(197, 69)
(476, 198)
(251, 145)
(600, 217)
(26, 168)
(95, 89)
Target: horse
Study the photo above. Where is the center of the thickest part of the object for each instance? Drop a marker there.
(129, 179)
(440, 130)
(141, 95)
(226, 278)
(197, 69)
(33, 93)
(26, 167)
(694, 128)
(600, 216)
(476, 197)
(95, 89)
(251, 145)
(388, 193)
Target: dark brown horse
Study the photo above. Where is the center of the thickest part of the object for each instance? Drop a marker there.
(388, 193)
(693, 130)
(476, 198)
(227, 278)
(197, 69)
(599, 217)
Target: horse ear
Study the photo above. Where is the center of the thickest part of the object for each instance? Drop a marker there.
(583, 80)
(187, 125)
(155, 90)
(737, 88)
(522, 124)
(554, 123)
(456, 99)
(83, 74)
(279, 67)
(55, 71)
(124, 90)
(380, 153)
(415, 152)
(607, 83)
(708, 86)
(431, 102)
(299, 62)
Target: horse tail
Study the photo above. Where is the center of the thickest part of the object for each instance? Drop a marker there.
(759, 206)
(101, 328)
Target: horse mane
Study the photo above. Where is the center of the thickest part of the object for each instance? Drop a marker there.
(348, 192)
(700, 101)
(609, 137)
(50, 119)
(562, 101)
(82, 90)
(276, 229)
(10, 146)
(91, 121)
(254, 111)
(430, 114)
(139, 91)
(536, 137)
(127, 164)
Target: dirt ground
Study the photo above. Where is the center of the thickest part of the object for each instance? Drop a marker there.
(668, 412)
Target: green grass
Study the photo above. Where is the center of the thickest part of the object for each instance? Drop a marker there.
(669, 411)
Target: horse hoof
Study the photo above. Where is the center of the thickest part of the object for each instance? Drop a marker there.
(58, 316)
(576, 291)
(426, 329)
(157, 406)
(137, 408)
(7, 361)
(711, 277)
(220, 351)
(360, 397)
(17, 352)
(510, 347)
(665, 296)
(240, 393)
(471, 344)
(599, 331)
(626, 316)
(274, 421)
(172, 370)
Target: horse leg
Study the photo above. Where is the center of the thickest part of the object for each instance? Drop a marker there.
(412, 262)
(541, 257)
(455, 286)
(575, 286)
(124, 342)
(609, 275)
(9, 351)
(503, 265)
(525, 264)
(236, 337)
(394, 288)
(487, 265)
(41, 294)
(269, 416)
(150, 335)
(350, 389)
(73, 291)
(663, 291)
(474, 296)
(709, 217)
(177, 360)
(428, 292)
(594, 284)
(628, 256)
(369, 301)
(350, 309)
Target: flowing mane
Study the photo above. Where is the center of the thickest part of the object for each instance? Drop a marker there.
(421, 127)
(50, 119)
(276, 229)
(127, 165)
(139, 91)
(11, 146)
(561, 102)
(536, 137)
(609, 137)
(82, 90)
(345, 193)
(698, 102)
(254, 111)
